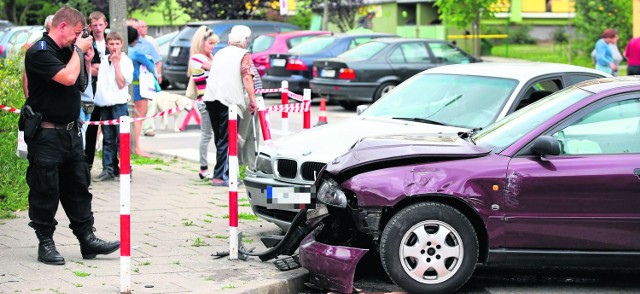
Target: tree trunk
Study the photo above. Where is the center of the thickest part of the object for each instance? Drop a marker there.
(476, 35)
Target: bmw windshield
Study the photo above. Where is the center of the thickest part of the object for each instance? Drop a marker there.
(447, 99)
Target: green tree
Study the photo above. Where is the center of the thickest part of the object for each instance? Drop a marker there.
(222, 9)
(594, 16)
(463, 13)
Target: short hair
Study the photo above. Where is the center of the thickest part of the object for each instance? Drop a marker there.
(97, 15)
(132, 34)
(114, 36)
(47, 22)
(239, 35)
(609, 33)
(69, 15)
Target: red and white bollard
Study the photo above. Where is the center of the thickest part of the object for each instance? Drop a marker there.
(264, 125)
(306, 101)
(233, 181)
(125, 205)
(285, 101)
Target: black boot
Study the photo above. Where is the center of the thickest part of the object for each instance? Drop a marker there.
(90, 246)
(47, 252)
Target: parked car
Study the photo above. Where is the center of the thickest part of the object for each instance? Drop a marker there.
(556, 183)
(5, 24)
(367, 72)
(163, 44)
(176, 66)
(444, 99)
(264, 45)
(295, 66)
(14, 38)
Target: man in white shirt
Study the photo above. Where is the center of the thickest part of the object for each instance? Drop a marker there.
(112, 94)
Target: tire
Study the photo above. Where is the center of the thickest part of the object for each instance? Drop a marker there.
(383, 90)
(348, 105)
(432, 219)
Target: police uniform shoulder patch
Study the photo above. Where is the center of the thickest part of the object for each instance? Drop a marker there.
(42, 45)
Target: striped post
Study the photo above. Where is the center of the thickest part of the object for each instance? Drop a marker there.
(264, 126)
(306, 101)
(125, 206)
(233, 182)
(285, 101)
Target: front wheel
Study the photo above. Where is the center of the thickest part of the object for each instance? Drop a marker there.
(429, 247)
(383, 89)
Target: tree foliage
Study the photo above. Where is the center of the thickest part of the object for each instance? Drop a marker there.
(223, 9)
(463, 13)
(597, 15)
(342, 13)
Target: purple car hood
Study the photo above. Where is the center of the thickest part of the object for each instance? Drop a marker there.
(404, 148)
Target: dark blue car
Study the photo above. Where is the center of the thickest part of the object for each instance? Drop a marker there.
(175, 68)
(296, 66)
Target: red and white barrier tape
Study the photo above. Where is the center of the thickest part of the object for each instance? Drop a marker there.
(295, 107)
(9, 109)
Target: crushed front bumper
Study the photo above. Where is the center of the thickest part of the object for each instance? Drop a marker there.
(330, 267)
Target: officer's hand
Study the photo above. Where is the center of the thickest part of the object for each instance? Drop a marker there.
(84, 43)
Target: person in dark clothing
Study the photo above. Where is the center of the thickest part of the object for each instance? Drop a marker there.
(366, 21)
(98, 24)
(58, 171)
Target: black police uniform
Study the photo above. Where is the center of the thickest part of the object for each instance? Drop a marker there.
(58, 168)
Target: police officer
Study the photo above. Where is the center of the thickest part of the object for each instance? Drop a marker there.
(58, 171)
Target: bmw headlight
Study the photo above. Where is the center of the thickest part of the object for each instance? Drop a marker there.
(331, 194)
(263, 164)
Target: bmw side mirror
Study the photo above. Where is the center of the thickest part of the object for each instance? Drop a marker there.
(361, 108)
(546, 145)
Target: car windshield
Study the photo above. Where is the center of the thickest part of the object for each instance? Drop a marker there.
(508, 130)
(448, 99)
(262, 43)
(313, 45)
(364, 51)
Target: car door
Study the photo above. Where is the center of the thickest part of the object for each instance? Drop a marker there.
(409, 58)
(588, 197)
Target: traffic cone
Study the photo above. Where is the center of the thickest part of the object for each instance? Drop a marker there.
(322, 119)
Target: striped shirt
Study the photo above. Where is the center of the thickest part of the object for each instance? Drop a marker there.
(198, 73)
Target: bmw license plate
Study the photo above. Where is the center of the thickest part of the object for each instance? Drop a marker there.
(328, 73)
(290, 197)
(278, 62)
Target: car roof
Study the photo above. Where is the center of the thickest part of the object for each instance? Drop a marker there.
(512, 70)
(235, 21)
(401, 39)
(600, 85)
(299, 33)
(355, 35)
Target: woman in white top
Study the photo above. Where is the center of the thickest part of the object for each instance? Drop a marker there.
(200, 57)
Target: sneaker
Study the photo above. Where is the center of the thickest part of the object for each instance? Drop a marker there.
(104, 176)
(205, 175)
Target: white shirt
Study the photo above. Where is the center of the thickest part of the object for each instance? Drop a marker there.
(224, 83)
(107, 91)
(102, 48)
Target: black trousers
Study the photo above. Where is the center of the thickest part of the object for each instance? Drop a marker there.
(91, 137)
(58, 173)
(633, 70)
(219, 115)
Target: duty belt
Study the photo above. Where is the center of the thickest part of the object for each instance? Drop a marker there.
(50, 125)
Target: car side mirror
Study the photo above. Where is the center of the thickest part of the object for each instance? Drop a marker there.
(546, 145)
(361, 108)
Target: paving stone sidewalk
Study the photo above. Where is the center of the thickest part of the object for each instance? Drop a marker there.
(177, 222)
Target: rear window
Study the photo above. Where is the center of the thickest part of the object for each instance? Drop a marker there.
(186, 34)
(262, 43)
(313, 45)
(364, 51)
(292, 42)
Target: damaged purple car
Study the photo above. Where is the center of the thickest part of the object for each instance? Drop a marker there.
(557, 182)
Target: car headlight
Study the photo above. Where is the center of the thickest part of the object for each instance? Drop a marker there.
(263, 164)
(331, 194)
